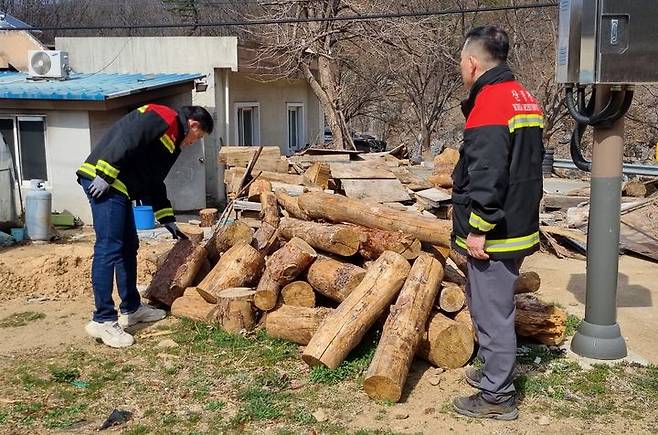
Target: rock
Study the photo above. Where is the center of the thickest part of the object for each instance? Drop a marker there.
(320, 415)
(402, 416)
(167, 343)
(438, 370)
(544, 421)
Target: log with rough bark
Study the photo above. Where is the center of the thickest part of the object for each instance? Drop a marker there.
(402, 331)
(240, 266)
(265, 236)
(298, 294)
(334, 279)
(290, 204)
(208, 217)
(192, 306)
(204, 270)
(376, 241)
(296, 324)
(544, 322)
(334, 238)
(452, 298)
(460, 261)
(527, 282)
(176, 273)
(257, 187)
(226, 237)
(234, 312)
(446, 343)
(345, 327)
(290, 261)
(267, 293)
(452, 275)
(336, 208)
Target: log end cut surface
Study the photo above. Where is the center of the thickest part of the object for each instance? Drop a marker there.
(382, 388)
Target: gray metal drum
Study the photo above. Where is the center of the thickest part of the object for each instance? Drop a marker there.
(38, 205)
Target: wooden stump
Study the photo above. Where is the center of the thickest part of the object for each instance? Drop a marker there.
(296, 324)
(208, 217)
(298, 294)
(452, 298)
(400, 338)
(194, 232)
(375, 242)
(527, 282)
(291, 205)
(226, 237)
(290, 261)
(234, 312)
(192, 306)
(257, 187)
(544, 322)
(337, 239)
(267, 293)
(334, 279)
(446, 343)
(241, 265)
(176, 273)
(345, 327)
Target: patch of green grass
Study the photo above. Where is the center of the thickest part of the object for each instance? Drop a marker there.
(21, 319)
(3, 417)
(258, 404)
(274, 350)
(355, 364)
(646, 381)
(302, 415)
(64, 375)
(573, 323)
(30, 381)
(215, 405)
(63, 417)
(138, 429)
(542, 352)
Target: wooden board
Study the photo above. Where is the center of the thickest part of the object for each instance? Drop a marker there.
(434, 196)
(316, 151)
(310, 158)
(359, 170)
(240, 155)
(376, 190)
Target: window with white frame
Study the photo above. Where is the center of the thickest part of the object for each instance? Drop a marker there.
(26, 138)
(296, 131)
(247, 125)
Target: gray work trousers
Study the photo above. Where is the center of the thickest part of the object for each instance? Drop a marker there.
(490, 292)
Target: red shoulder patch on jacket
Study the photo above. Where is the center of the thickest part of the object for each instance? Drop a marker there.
(498, 103)
(170, 116)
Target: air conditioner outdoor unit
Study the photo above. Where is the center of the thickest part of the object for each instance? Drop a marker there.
(48, 64)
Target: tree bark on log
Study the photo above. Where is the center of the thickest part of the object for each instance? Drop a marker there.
(336, 208)
(296, 324)
(377, 241)
(446, 343)
(298, 294)
(267, 293)
(334, 279)
(257, 187)
(337, 239)
(226, 237)
(345, 327)
(452, 298)
(290, 261)
(291, 205)
(176, 273)
(527, 282)
(240, 266)
(402, 331)
(265, 237)
(536, 319)
(234, 312)
(192, 306)
(208, 217)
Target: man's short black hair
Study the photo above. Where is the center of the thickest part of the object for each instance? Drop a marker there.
(494, 40)
(199, 114)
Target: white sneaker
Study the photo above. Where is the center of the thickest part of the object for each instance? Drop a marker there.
(110, 333)
(144, 313)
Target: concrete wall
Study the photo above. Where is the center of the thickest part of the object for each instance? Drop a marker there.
(14, 46)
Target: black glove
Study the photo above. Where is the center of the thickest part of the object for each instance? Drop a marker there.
(98, 187)
(176, 233)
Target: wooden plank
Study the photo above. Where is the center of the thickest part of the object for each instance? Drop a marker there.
(274, 176)
(326, 151)
(247, 205)
(360, 170)
(279, 165)
(294, 189)
(562, 202)
(240, 155)
(434, 196)
(312, 158)
(376, 190)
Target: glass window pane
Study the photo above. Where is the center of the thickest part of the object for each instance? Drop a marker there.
(32, 143)
(248, 127)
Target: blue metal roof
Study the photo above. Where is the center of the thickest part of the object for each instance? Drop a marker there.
(9, 22)
(85, 87)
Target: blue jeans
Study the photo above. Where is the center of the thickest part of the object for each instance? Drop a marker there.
(115, 251)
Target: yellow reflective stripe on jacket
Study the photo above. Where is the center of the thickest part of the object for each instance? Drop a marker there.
(505, 245)
(477, 222)
(520, 121)
(143, 108)
(164, 213)
(89, 169)
(106, 168)
(168, 143)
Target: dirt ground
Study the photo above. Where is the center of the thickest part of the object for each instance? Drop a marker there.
(54, 281)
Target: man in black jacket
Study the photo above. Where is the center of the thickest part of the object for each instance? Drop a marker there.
(497, 186)
(130, 163)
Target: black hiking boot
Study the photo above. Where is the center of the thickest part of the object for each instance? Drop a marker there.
(476, 406)
(473, 376)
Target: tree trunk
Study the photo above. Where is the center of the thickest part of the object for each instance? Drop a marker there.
(452, 298)
(377, 241)
(267, 293)
(176, 273)
(291, 260)
(233, 311)
(290, 204)
(226, 237)
(265, 237)
(298, 294)
(334, 279)
(400, 338)
(240, 266)
(446, 343)
(337, 239)
(296, 324)
(336, 208)
(536, 319)
(208, 217)
(527, 282)
(192, 306)
(257, 187)
(346, 326)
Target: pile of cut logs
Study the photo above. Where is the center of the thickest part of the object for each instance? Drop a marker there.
(322, 269)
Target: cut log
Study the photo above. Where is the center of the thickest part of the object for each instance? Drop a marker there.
(257, 187)
(452, 298)
(226, 237)
(334, 279)
(345, 327)
(240, 266)
(527, 282)
(337, 239)
(193, 232)
(336, 208)
(293, 189)
(176, 273)
(544, 322)
(402, 331)
(318, 174)
(296, 324)
(464, 316)
(208, 217)
(233, 311)
(204, 270)
(192, 306)
(446, 343)
(298, 294)
(267, 293)
(441, 180)
(452, 275)
(265, 236)
(377, 190)
(460, 261)
(291, 260)
(290, 204)
(376, 241)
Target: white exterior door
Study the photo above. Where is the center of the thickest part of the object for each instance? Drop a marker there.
(186, 182)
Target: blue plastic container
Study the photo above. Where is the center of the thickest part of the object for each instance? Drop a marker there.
(18, 234)
(144, 217)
